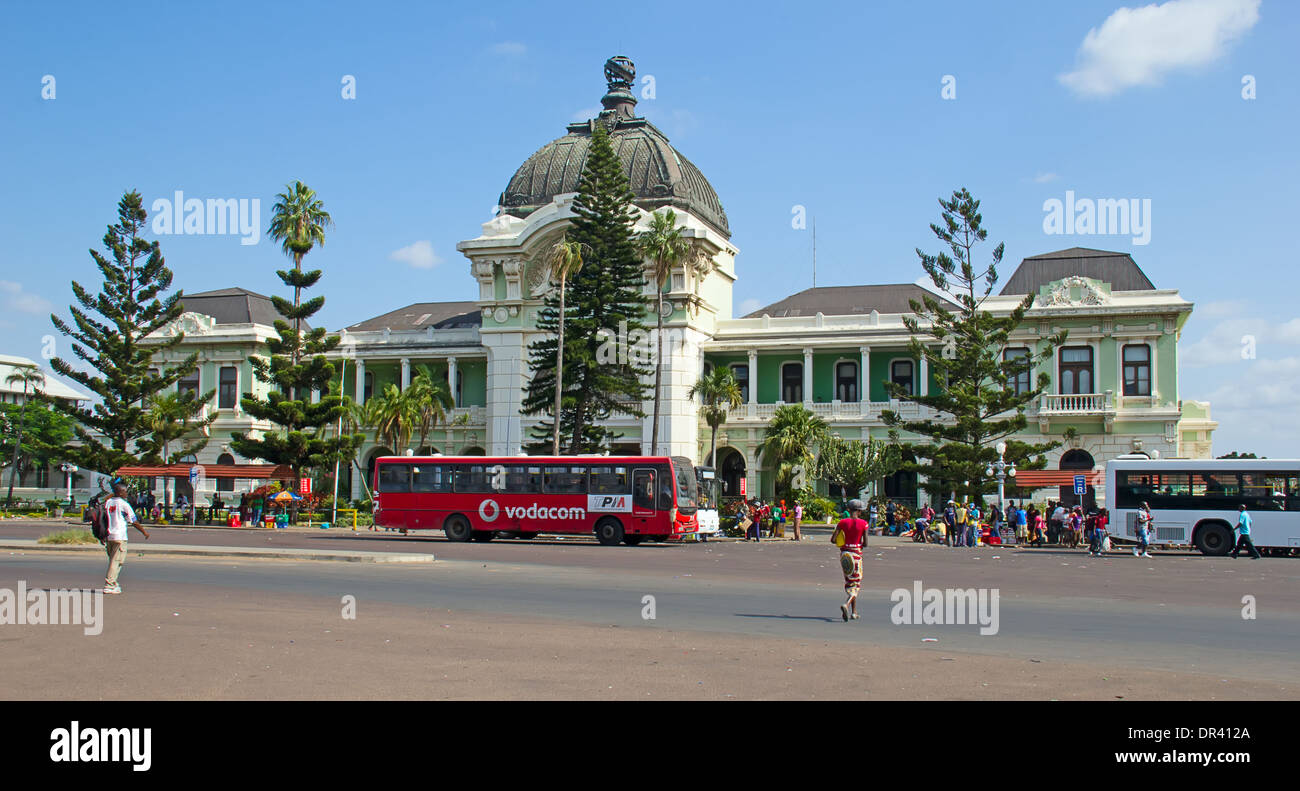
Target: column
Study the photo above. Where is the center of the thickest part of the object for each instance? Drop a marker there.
(753, 377)
(360, 395)
(406, 373)
(864, 375)
(925, 376)
(451, 381)
(807, 376)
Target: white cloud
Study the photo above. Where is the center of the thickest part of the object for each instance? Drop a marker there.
(419, 255)
(1044, 178)
(748, 306)
(15, 299)
(1224, 342)
(509, 48)
(1139, 46)
(1223, 309)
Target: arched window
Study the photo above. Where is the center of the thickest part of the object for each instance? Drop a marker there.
(225, 484)
(900, 373)
(741, 373)
(846, 381)
(792, 383)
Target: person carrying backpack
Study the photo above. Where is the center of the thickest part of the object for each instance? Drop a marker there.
(116, 515)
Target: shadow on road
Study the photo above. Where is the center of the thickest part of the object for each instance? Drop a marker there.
(787, 617)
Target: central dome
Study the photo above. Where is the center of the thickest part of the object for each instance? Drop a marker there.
(657, 173)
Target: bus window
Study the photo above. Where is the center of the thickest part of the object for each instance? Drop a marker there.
(687, 486)
(523, 479)
(1292, 492)
(665, 488)
(643, 489)
(394, 478)
(566, 480)
(430, 478)
(608, 480)
(473, 479)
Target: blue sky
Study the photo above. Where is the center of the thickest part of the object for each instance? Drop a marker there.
(834, 107)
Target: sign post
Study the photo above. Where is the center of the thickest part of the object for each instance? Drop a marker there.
(196, 472)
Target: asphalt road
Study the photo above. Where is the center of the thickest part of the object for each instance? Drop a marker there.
(1068, 625)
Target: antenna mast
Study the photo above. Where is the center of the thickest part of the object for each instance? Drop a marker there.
(814, 252)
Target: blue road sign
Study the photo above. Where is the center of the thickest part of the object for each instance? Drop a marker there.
(1080, 484)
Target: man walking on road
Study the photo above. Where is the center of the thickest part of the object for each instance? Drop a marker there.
(853, 531)
(120, 516)
(1243, 534)
(1144, 525)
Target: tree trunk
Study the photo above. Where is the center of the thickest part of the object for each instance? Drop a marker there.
(713, 447)
(559, 376)
(659, 354)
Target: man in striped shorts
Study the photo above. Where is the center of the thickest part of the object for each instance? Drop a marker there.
(853, 529)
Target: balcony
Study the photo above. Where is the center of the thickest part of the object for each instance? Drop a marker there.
(834, 411)
(474, 416)
(1084, 404)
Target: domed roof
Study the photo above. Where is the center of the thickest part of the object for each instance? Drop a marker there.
(657, 173)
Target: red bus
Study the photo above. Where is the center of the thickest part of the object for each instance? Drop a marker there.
(625, 499)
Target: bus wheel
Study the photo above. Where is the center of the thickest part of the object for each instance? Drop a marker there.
(484, 535)
(526, 536)
(633, 540)
(1214, 538)
(457, 529)
(609, 532)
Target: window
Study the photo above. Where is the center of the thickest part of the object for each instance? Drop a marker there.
(523, 479)
(1137, 370)
(473, 478)
(1018, 381)
(565, 480)
(394, 478)
(792, 383)
(708, 368)
(225, 484)
(189, 383)
(430, 478)
(643, 489)
(1076, 370)
(609, 480)
(368, 389)
(1217, 490)
(846, 381)
(900, 373)
(741, 373)
(229, 385)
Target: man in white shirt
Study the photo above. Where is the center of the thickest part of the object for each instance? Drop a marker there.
(120, 516)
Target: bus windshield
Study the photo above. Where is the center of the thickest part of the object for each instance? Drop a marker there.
(686, 487)
(706, 482)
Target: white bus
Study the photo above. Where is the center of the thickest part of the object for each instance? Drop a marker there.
(709, 495)
(1195, 502)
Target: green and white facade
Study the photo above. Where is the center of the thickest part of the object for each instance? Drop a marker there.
(833, 349)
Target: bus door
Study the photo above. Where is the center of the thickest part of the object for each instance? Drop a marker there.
(643, 497)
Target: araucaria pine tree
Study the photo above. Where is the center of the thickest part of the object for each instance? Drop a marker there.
(981, 391)
(109, 327)
(297, 363)
(603, 309)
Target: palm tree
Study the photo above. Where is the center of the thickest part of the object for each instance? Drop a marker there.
(789, 439)
(27, 376)
(396, 417)
(666, 247)
(565, 259)
(429, 402)
(719, 392)
(170, 417)
(298, 222)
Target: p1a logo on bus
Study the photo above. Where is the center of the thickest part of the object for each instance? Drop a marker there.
(609, 503)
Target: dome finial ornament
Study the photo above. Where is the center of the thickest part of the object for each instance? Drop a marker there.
(620, 74)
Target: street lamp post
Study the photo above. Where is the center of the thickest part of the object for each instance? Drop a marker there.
(1002, 469)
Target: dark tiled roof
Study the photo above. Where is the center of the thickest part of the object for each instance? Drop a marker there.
(234, 306)
(440, 315)
(1118, 269)
(847, 301)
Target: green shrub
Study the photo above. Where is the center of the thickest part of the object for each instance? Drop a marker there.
(72, 536)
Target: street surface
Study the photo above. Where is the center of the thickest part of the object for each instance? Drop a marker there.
(563, 619)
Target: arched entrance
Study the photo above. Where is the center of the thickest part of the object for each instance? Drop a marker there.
(1079, 460)
(473, 450)
(370, 465)
(732, 471)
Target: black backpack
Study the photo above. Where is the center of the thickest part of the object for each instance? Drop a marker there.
(97, 515)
